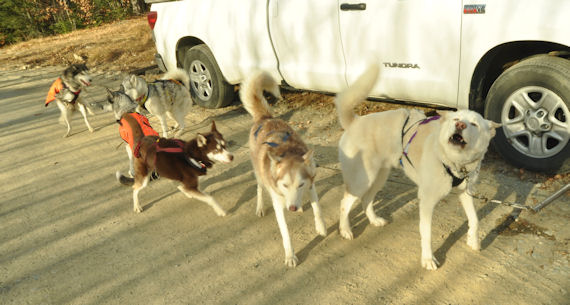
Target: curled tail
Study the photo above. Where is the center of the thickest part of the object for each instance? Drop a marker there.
(179, 75)
(251, 94)
(124, 180)
(355, 94)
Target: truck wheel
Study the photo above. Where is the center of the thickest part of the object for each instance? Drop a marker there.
(532, 100)
(208, 87)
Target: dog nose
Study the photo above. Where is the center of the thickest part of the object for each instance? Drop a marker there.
(231, 157)
(292, 208)
(460, 125)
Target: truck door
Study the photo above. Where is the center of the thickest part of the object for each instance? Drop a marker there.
(416, 43)
(306, 39)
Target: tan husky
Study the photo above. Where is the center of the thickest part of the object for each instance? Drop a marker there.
(282, 162)
(437, 153)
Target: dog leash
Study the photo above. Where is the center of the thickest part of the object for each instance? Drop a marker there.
(525, 207)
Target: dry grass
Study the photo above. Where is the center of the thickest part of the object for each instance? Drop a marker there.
(118, 46)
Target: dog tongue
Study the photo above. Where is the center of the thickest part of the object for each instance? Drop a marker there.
(292, 208)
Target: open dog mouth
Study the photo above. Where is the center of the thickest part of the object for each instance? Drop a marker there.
(457, 139)
(86, 83)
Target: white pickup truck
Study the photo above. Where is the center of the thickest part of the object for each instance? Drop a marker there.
(507, 59)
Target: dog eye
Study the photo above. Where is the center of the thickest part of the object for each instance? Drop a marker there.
(285, 185)
(301, 185)
(474, 124)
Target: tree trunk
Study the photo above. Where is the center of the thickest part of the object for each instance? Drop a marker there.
(139, 6)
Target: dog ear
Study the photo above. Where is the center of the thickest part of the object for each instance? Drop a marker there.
(109, 95)
(133, 79)
(201, 140)
(493, 126)
(214, 126)
(308, 157)
(442, 113)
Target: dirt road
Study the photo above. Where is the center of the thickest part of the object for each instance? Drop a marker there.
(68, 234)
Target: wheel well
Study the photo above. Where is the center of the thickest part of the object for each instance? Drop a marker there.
(500, 58)
(183, 45)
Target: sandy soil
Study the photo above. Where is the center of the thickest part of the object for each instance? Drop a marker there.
(68, 234)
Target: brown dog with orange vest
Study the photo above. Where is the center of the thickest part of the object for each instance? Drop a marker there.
(175, 159)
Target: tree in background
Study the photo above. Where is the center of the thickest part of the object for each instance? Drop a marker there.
(25, 19)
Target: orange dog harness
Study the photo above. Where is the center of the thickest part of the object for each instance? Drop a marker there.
(126, 132)
(55, 88)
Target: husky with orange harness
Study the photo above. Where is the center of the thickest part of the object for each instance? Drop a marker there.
(167, 97)
(131, 124)
(65, 92)
(177, 160)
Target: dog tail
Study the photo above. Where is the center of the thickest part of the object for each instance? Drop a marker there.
(251, 94)
(179, 75)
(124, 180)
(355, 94)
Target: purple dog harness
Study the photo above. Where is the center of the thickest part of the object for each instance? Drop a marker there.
(455, 180)
(405, 131)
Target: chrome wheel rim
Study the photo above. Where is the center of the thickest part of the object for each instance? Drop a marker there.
(201, 80)
(536, 122)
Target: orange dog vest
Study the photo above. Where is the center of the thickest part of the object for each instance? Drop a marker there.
(55, 89)
(126, 131)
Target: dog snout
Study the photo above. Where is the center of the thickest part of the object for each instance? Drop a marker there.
(292, 208)
(459, 125)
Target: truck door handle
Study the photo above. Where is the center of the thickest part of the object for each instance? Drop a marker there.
(353, 7)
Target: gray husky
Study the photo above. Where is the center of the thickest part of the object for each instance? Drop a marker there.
(65, 92)
(121, 105)
(169, 96)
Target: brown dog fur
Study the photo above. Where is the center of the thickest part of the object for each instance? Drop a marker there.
(177, 166)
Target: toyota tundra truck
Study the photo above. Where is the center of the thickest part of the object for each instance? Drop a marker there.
(508, 60)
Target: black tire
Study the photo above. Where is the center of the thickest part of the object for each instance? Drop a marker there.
(208, 87)
(532, 101)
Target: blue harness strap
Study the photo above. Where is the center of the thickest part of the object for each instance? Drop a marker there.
(257, 130)
(283, 139)
(272, 144)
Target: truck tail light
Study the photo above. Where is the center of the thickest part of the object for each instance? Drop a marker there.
(151, 17)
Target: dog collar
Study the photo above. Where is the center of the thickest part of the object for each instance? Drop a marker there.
(141, 99)
(455, 180)
(196, 163)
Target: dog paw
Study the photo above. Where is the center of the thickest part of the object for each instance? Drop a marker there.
(137, 209)
(321, 228)
(291, 261)
(221, 213)
(473, 243)
(346, 234)
(91, 130)
(430, 263)
(378, 221)
(66, 135)
(260, 213)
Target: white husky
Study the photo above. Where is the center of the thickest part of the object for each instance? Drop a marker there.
(169, 96)
(437, 153)
(282, 162)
